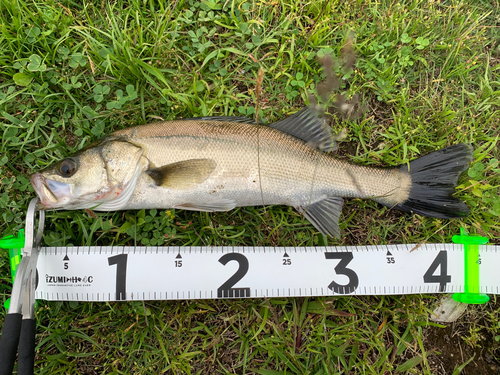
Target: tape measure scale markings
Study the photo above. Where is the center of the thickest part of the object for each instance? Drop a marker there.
(169, 273)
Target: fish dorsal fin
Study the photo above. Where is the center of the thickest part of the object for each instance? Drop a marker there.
(220, 204)
(183, 174)
(239, 119)
(324, 215)
(306, 125)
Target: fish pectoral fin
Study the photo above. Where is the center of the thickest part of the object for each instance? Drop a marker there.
(183, 174)
(214, 205)
(324, 215)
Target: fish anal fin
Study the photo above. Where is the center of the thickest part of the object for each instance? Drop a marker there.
(324, 215)
(183, 174)
(308, 126)
(211, 206)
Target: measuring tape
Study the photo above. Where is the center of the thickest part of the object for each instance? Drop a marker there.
(171, 273)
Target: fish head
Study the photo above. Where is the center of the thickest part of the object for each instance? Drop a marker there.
(101, 177)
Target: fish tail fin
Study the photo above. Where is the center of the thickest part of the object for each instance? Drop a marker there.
(434, 178)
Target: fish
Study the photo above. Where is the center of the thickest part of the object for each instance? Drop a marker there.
(219, 163)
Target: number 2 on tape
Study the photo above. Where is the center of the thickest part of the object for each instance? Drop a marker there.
(226, 289)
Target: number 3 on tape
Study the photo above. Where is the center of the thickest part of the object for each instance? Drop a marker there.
(341, 269)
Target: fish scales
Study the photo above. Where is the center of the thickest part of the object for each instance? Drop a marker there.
(250, 158)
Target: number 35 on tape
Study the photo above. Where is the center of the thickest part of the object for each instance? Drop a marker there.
(167, 273)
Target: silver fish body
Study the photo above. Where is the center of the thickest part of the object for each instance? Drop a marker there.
(216, 165)
(254, 165)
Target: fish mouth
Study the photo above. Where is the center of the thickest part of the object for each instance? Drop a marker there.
(47, 190)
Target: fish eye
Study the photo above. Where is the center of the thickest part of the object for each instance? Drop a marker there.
(67, 168)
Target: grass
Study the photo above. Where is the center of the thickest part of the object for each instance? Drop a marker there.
(427, 73)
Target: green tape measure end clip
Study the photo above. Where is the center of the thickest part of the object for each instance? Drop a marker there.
(471, 244)
(14, 244)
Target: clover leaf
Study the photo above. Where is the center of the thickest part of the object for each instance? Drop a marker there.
(36, 64)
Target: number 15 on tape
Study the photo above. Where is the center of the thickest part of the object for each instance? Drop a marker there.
(165, 273)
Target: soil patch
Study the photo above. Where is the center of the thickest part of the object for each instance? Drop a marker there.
(454, 350)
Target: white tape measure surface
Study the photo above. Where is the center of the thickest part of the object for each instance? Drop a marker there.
(169, 273)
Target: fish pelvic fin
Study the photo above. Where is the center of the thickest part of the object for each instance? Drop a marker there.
(433, 181)
(183, 174)
(324, 215)
(214, 205)
(308, 126)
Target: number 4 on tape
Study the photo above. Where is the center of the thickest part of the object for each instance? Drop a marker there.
(443, 278)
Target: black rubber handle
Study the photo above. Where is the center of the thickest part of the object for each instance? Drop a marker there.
(26, 361)
(9, 342)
